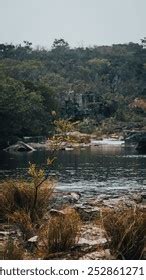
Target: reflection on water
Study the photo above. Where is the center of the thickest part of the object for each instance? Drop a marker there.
(91, 171)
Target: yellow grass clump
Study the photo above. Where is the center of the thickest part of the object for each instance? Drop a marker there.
(20, 195)
(125, 232)
(61, 232)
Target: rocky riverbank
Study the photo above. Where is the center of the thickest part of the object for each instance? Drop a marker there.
(75, 139)
(69, 141)
(92, 242)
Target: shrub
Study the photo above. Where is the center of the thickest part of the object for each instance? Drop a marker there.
(15, 195)
(20, 195)
(61, 232)
(63, 126)
(66, 132)
(125, 233)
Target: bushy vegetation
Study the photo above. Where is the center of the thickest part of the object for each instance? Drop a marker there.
(25, 206)
(125, 231)
(22, 197)
(32, 79)
(61, 232)
(67, 132)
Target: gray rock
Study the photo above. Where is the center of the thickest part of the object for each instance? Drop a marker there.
(84, 241)
(74, 196)
(87, 212)
(104, 196)
(141, 146)
(143, 195)
(32, 243)
(143, 198)
(7, 233)
(137, 198)
(33, 239)
(56, 213)
(20, 146)
(61, 199)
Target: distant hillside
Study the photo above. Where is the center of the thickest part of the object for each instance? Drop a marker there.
(98, 83)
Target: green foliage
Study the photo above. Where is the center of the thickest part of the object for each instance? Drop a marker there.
(32, 80)
(24, 111)
(60, 43)
(19, 110)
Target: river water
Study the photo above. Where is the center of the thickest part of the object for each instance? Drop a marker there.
(92, 171)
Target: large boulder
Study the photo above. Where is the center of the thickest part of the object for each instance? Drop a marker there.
(141, 146)
(20, 146)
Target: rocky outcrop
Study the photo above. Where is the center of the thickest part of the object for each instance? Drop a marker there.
(141, 146)
(87, 212)
(92, 243)
(78, 104)
(20, 147)
(134, 136)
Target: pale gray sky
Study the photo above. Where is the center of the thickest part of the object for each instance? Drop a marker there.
(79, 22)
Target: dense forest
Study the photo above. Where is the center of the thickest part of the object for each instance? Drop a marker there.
(32, 81)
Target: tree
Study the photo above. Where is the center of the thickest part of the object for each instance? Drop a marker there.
(60, 44)
(6, 50)
(21, 111)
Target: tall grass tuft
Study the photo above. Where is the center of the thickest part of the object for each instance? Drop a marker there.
(125, 233)
(13, 251)
(61, 232)
(19, 196)
(23, 221)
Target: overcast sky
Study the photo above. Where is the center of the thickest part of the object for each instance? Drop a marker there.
(79, 22)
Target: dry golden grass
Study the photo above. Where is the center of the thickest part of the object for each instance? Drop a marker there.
(19, 195)
(125, 233)
(17, 204)
(23, 221)
(13, 251)
(70, 139)
(61, 232)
